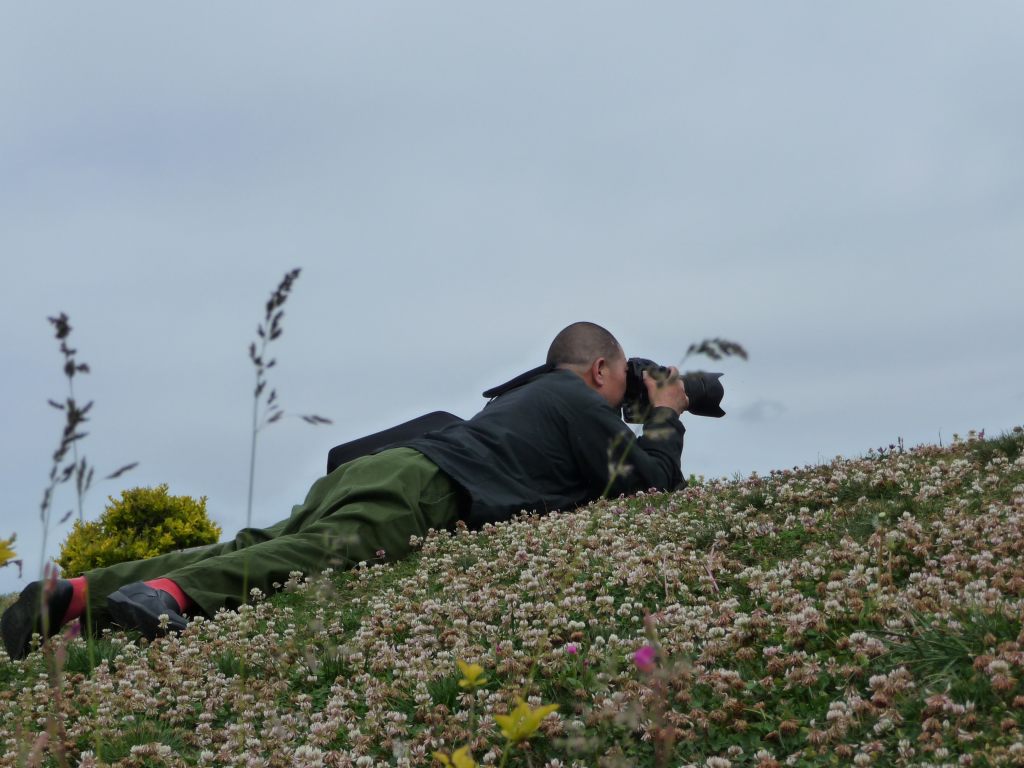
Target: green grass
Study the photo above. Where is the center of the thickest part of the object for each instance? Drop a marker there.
(1008, 445)
(145, 731)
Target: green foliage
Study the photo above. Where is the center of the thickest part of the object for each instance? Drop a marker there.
(83, 658)
(148, 736)
(444, 690)
(230, 664)
(941, 652)
(1008, 444)
(143, 523)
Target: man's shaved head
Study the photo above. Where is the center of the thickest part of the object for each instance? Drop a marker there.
(581, 344)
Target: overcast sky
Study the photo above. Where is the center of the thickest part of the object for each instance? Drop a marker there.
(838, 187)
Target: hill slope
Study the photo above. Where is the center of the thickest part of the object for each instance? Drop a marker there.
(867, 611)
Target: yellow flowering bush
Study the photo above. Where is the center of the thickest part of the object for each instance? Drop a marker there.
(143, 523)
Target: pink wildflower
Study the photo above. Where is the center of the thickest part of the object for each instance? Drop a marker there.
(644, 658)
(571, 648)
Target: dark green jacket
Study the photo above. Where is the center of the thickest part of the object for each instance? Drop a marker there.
(553, 443)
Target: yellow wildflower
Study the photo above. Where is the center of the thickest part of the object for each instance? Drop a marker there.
(459, 759)
(471, 675)
(521, 723)
(6, 550)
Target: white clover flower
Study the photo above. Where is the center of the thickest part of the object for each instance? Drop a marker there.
(998, 667)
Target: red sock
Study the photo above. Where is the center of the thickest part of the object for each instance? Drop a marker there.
(80, 591)
(184, 601)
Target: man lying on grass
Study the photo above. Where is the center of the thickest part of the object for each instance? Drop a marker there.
(555, 442)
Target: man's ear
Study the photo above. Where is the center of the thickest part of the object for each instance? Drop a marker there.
(598, 371)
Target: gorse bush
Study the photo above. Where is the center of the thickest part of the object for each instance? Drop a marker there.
(143, 523)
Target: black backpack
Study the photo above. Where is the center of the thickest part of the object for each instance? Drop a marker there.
(388, 438)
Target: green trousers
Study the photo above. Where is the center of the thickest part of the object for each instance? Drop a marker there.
(371, 504)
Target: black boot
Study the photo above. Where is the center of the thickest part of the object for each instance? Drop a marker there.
(138, 606)
(24, 617)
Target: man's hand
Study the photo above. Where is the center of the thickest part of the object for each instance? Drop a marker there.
(667, 390)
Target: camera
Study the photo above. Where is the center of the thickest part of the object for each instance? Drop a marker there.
(704, 390)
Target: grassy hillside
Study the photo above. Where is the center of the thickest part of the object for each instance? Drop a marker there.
(864, 612)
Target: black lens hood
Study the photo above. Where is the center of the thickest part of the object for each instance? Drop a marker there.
(705, 391)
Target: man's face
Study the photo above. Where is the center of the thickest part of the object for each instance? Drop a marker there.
(614, 389)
